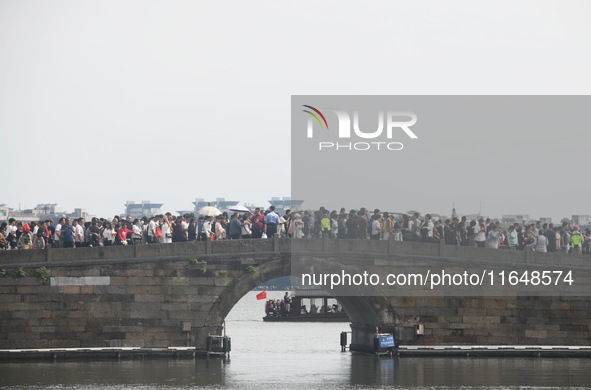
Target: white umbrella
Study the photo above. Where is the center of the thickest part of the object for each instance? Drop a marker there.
(402, 214)
(209, 211)
(240, 208)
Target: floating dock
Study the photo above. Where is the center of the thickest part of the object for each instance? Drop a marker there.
(124, 353)
(549, 351)
(131, 353)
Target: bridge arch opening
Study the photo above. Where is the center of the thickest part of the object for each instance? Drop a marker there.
(362, 311)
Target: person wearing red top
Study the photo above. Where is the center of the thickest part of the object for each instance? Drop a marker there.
(122, 234)
(258, 223)
(45, 233)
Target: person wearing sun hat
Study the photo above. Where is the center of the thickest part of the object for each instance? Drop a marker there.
(25, 240)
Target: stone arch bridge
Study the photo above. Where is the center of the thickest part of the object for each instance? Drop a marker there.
(173, 295)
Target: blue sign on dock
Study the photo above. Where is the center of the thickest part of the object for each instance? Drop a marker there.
(386, 341)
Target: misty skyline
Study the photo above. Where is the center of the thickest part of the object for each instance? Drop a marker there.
(111, 101)
(460, 211)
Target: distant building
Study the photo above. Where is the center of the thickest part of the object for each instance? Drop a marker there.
(50, 208)
(4, 212)
(545, 220)
(282, 204)
(42, 211)
(143, 209)
(80, 213)
(580, 220)
(28, 215)
(515, 218)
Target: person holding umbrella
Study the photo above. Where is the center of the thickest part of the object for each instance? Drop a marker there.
(209, 211)
(220, 228)
(206, 229)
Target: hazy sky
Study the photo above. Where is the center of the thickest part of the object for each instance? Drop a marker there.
(505, 151)
(104, 102)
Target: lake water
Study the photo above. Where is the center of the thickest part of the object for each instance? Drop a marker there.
(297, 356)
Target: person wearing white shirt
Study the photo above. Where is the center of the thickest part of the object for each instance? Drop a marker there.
(480, 233)
(206, 229)
(57, 235)
(136, 234)
(151, 230)
(375, 228)
(78, 233)
(166, 231)
(108, 234)
(185, 226)
(426, 229)
(541, 244)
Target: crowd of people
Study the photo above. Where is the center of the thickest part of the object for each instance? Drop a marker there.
(360, 224)
(282, 307)
(161, 229)
(541, 237)
(276, 307)
(322, 223)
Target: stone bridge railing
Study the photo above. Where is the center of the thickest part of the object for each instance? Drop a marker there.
(284, 246)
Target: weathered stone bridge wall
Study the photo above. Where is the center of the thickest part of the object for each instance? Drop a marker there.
(153, 296)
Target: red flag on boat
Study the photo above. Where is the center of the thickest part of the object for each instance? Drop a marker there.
(262, 295)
